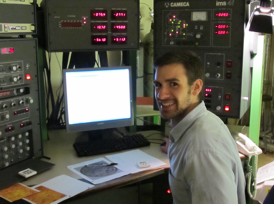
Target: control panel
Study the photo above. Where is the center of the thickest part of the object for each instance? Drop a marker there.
(87, 25)
(20, 127)
(17, 17)
(214, 30)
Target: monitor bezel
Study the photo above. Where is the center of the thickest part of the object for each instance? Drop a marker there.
(101, 125)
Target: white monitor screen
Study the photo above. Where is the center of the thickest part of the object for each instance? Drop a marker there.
(98, 98)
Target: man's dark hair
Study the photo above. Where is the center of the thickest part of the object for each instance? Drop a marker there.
(188, 59)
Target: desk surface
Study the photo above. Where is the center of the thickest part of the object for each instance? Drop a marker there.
(60, 149)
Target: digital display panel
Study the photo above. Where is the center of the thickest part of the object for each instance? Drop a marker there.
(222, 26)
(222, 32)
(199, 16)
(222, 14)
(222, 29)
(99, 14)
(119, 14)
(119, 39)
(99, 27)
(119, 27)
(99, 39)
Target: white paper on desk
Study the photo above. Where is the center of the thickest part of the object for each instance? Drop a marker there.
(96, 171)
(63, 184)
(128, 161)
(265, 172)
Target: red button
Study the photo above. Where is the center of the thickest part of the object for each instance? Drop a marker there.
(227, 96)
(227, 108)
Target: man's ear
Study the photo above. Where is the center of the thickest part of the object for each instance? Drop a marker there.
(197, 87)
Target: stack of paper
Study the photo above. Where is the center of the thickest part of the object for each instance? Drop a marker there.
(117, 165)
(264, 180)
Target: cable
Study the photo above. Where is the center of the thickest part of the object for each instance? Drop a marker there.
(251, 170)
(55, 117)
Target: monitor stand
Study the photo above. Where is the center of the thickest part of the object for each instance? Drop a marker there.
(100, 139)
(97, 135)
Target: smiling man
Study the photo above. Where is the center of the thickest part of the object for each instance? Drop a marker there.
(204, 162)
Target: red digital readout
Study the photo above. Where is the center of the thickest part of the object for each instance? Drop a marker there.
(119, 39)
(222, 26)
(222, 14)
(222, 32)
(208, 90)
(99, 27)
(7, 50)
(119, 14)
(99, 14)
(119, 27)
(222, 29)
(99, 39)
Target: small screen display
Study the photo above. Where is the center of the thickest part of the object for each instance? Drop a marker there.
(119, 14)
(199, 16)
(222, 26)
(99, 14)
(99, 39)
(222, 32)
(119, 39)
(222, 29)
(99, 27)
(119, 27)
(222, 14)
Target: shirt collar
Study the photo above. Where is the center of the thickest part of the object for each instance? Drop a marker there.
(187, 121)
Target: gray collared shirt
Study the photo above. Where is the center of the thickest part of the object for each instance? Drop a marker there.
(205, 166)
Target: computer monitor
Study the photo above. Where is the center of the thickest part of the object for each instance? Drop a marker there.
(97, 99)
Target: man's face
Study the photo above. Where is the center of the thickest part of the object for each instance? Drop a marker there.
(174, 96)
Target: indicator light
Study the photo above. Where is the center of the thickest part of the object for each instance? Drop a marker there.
(228, 75)
(229, 63)
(7, 50)
(168, 191)
(208, 95)
(227, 96)
(84, 20)
(28, 77)
(226, 108)
(208, 90)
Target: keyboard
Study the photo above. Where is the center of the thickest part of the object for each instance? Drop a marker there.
(111, 144)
